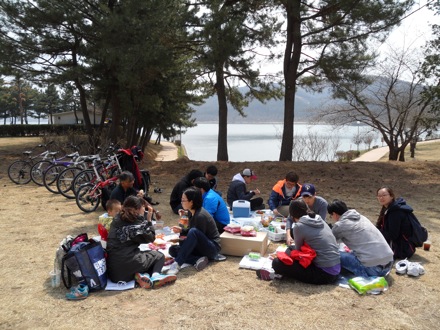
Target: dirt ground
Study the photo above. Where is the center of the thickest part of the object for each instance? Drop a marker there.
(33, 221)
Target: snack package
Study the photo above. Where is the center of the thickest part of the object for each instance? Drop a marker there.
(370, 285)
(232, 228)
(248, 231)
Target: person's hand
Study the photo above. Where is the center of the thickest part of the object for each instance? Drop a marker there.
(289, 239)
(257, 191)
(176, 229)
(181, 212)
(140, 193)
(275, 211)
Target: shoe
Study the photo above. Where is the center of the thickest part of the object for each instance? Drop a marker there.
(265, 274)
(79, 292)
(415, 269)
(143, 280)
(201, 263)
(174, 269)
(220, 257)
(161, 280)
(402, 266)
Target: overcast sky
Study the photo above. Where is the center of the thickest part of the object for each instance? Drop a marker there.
(413, 32)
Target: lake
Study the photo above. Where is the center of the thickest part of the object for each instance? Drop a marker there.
(259, 142)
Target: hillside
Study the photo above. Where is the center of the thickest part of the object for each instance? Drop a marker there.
(257, 112)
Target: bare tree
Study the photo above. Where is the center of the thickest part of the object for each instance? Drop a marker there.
(391, 102)
(315, 147)
(367, 139)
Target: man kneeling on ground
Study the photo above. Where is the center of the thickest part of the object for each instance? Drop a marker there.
(370, 254)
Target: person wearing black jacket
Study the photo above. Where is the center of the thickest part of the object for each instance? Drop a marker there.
(184, 183)
(394, 224)
(202, 242)
(125, 260)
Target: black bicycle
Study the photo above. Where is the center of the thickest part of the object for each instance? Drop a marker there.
(20, 171)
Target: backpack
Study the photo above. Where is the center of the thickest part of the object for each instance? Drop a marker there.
(86, 262)
(419, 233)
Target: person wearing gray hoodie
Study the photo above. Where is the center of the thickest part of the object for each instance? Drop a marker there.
(370, 253)
(313, 240)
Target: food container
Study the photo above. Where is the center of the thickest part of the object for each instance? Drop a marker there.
(241, 209)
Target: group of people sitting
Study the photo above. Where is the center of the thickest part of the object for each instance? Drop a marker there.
(313, 254)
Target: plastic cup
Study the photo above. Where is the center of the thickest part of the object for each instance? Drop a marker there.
(184, 221)
(159, 225)
(55, 278)
(427, 245)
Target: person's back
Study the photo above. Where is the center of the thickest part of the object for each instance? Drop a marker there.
(318, 235)
(216, 206)
(363, 238)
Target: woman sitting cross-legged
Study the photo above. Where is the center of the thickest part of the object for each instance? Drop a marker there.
(202, 237)
(125, 261)
(315, 257)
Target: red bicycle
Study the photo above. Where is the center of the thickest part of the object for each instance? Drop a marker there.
(89, 195)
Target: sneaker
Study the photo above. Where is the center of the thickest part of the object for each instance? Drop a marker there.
(265, 274)
(415, 269)
(201, 263)
(161, 280)
(402, 266)
(220, 257)
(78, 292)
(174, 269)
(143, 280)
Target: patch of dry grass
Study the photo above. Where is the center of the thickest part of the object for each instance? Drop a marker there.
(33, 221)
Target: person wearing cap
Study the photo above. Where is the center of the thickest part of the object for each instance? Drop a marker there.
(370, 253)
(315, 203)
(283, 192)
(237, 190)
(213, 203)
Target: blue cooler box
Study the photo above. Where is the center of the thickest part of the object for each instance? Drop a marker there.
(241, 209)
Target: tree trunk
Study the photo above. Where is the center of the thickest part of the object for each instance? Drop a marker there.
(116, 115)
(412, 148)
(394, 153)
(292, 55)
(83, 104)
(222, 147)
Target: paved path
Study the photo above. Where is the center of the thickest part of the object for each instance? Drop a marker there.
(375, 154)
(168, 152)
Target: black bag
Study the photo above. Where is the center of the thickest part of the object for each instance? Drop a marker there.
(419, 233)
(86, 262)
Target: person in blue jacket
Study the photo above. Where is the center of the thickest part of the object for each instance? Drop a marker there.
(213, 203)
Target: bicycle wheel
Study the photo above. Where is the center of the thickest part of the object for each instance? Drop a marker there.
(81, 178)
(20, 172)
(50, 177)
(37, 171)
(88, 198)
(65, 180)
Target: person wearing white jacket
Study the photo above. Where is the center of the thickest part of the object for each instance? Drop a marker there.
(370, 254)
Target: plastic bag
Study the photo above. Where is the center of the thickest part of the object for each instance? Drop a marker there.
(370, 285)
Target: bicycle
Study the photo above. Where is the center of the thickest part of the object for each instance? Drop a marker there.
(89, 195)
(66, 177)
(19, 171)
(104, 171)
(39, 169)
(52, 172)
